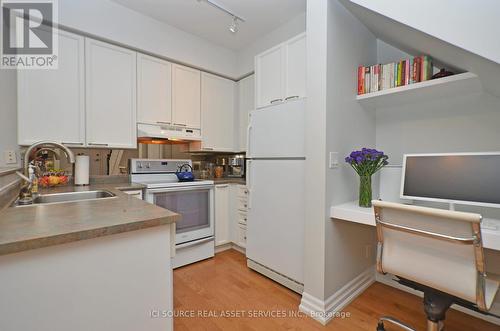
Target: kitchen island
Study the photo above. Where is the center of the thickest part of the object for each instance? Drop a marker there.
(87, 265)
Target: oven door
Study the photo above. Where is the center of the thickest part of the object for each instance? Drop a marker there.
(194, 203)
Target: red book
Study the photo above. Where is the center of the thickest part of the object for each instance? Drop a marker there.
(422, 68)
(418, 65)
(414, 70)
(361, 80)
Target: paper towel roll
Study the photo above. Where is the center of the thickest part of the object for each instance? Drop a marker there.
(82, 170)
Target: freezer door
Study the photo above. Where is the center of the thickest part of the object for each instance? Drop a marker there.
(275, 224)
(277, 131)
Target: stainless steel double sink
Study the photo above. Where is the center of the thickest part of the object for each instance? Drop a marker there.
(67, 197)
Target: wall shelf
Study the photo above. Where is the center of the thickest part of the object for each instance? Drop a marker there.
(451, 86)
(351, 211)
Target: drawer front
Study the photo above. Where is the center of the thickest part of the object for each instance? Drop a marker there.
(242, 191)
(242, 236)
(242, 217)
(242, 204)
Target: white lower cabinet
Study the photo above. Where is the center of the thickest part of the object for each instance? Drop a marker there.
(222, 214)
(230, 214)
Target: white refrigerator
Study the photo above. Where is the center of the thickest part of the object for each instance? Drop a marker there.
(275, 182)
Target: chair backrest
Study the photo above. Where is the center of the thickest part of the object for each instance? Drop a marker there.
(437, 248)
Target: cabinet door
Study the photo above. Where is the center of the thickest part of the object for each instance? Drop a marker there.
(222, 214)
(154, 90)
(246, 103)
(295, 67)
(110, 95)
(51, 102)
(218, 113)
(269, 78)
(186, 96)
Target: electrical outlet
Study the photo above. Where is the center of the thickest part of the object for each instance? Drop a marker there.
(334, 160)
(10, 157)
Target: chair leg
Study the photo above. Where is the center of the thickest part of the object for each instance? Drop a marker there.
(435, 306)
(435, 326)
(380, 326)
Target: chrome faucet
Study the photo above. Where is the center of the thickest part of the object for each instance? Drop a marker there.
(26, 195)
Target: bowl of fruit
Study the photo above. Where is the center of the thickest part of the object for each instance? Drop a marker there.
(53, 177)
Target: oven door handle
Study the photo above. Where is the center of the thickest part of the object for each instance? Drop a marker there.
(180, 188)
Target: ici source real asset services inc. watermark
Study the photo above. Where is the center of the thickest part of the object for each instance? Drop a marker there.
(29, 39)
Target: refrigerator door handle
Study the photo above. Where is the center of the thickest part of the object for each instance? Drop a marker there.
(249, 131)
(249, 184)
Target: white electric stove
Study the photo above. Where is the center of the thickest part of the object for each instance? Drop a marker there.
(194, 200)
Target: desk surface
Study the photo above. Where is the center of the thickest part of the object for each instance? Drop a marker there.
(351, 212)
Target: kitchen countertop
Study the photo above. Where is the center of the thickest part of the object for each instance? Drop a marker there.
(37, 226)
(229, 180)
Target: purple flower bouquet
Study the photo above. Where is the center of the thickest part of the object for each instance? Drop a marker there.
(366, 162)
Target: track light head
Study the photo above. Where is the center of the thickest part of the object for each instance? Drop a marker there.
(233, 27)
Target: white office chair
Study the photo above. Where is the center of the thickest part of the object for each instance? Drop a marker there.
(438, 252)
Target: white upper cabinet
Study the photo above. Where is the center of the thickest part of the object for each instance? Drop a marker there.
(110, 95)
(154, 90)
(280, 72)
(218, 113)
(186, 96)
(295, 67)
(246, 103)
(269, 76)
(51, 102)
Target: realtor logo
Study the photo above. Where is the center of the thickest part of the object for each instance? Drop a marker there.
(28, 38)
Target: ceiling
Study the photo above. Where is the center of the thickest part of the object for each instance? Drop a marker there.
(201, 19)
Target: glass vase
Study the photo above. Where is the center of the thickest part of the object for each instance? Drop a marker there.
(365, 191)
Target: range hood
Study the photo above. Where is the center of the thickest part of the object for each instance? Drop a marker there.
(158, 134)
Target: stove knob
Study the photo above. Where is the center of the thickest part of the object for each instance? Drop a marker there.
(148, 165)
(139, 165)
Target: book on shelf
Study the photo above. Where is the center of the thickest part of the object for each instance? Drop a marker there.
(380, 77)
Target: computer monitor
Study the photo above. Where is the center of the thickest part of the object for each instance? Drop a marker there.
(458, 178)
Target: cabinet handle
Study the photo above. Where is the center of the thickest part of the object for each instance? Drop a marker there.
(180, 124)
(208, 148)
(276, 100)
(160, 122)
(97, 144)
(291, 97)
(68, 143)
(222, 186)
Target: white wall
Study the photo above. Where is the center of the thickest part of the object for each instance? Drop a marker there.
(334, 122)
(470, 25)
(112, 21)
(349, 127)
(245, 61)
(8, 114)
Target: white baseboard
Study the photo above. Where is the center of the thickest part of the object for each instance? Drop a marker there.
(324, 311)
(277, 277)
(230, 245)
(388, 280)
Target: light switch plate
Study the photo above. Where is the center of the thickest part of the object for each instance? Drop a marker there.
(334, 160)
(10, 157)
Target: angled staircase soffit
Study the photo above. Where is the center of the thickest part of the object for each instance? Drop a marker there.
(415, 42)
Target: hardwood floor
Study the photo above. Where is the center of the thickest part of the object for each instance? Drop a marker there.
(222, 287)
